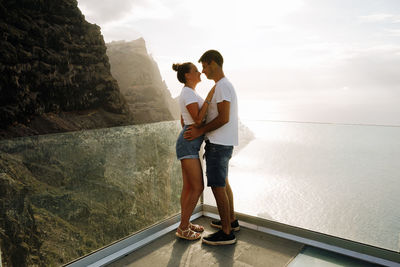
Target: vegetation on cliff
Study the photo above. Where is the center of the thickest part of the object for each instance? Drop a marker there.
(65, 195)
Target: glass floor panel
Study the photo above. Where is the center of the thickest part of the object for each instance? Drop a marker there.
(315, 257)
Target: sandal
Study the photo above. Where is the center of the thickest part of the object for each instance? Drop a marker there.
(187, 234)
(197, 228)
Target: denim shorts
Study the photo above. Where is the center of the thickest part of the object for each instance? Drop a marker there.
(186, 149)
(217, 161)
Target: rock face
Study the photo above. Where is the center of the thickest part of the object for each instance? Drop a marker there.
(140, 82)
(54, 62)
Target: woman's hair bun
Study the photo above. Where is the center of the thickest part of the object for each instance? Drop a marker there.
(176, 66)
(182, 69)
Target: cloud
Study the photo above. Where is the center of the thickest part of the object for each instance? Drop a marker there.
(393, 32)
(100, 12)
(382, 17)
(375, 67)
(236, 15)
(108, 11)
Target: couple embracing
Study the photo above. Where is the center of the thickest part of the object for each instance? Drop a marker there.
(215, 121)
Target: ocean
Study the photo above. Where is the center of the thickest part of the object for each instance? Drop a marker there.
(337, 179)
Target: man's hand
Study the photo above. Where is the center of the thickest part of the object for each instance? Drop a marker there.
(192, 133)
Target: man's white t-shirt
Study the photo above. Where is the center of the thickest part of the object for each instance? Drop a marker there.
(228, 134)
(188, 96)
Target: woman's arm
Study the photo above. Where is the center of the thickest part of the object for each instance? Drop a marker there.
(199, 115)
(182, 123)
(222, 118)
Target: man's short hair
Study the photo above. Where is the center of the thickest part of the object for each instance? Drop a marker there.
(212, 55)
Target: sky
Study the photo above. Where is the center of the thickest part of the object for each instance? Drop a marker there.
(291, 60)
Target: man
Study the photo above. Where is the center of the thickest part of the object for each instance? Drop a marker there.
(221, 130)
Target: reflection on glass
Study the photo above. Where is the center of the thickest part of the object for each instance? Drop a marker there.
(66, 195)
(341, 180)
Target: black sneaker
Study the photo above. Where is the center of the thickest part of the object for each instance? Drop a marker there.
(234, 225)
(220, 238)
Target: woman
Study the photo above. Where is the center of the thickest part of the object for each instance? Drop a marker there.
(193, 111)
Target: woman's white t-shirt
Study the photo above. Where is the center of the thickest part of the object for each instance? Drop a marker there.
(188, 96)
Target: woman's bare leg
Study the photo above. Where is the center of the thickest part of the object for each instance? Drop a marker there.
(192, 188)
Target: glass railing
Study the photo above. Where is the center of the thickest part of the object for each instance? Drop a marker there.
(65, 195)
(335, 179)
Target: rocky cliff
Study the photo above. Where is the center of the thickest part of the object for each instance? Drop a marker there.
(55, 74)
(55, 77)
(140, 82)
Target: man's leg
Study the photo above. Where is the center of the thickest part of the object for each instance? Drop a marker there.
(230, 199)
(217, 160)
(224, 236)
(222, 200)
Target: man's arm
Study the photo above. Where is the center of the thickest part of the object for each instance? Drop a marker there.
(222, 118)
